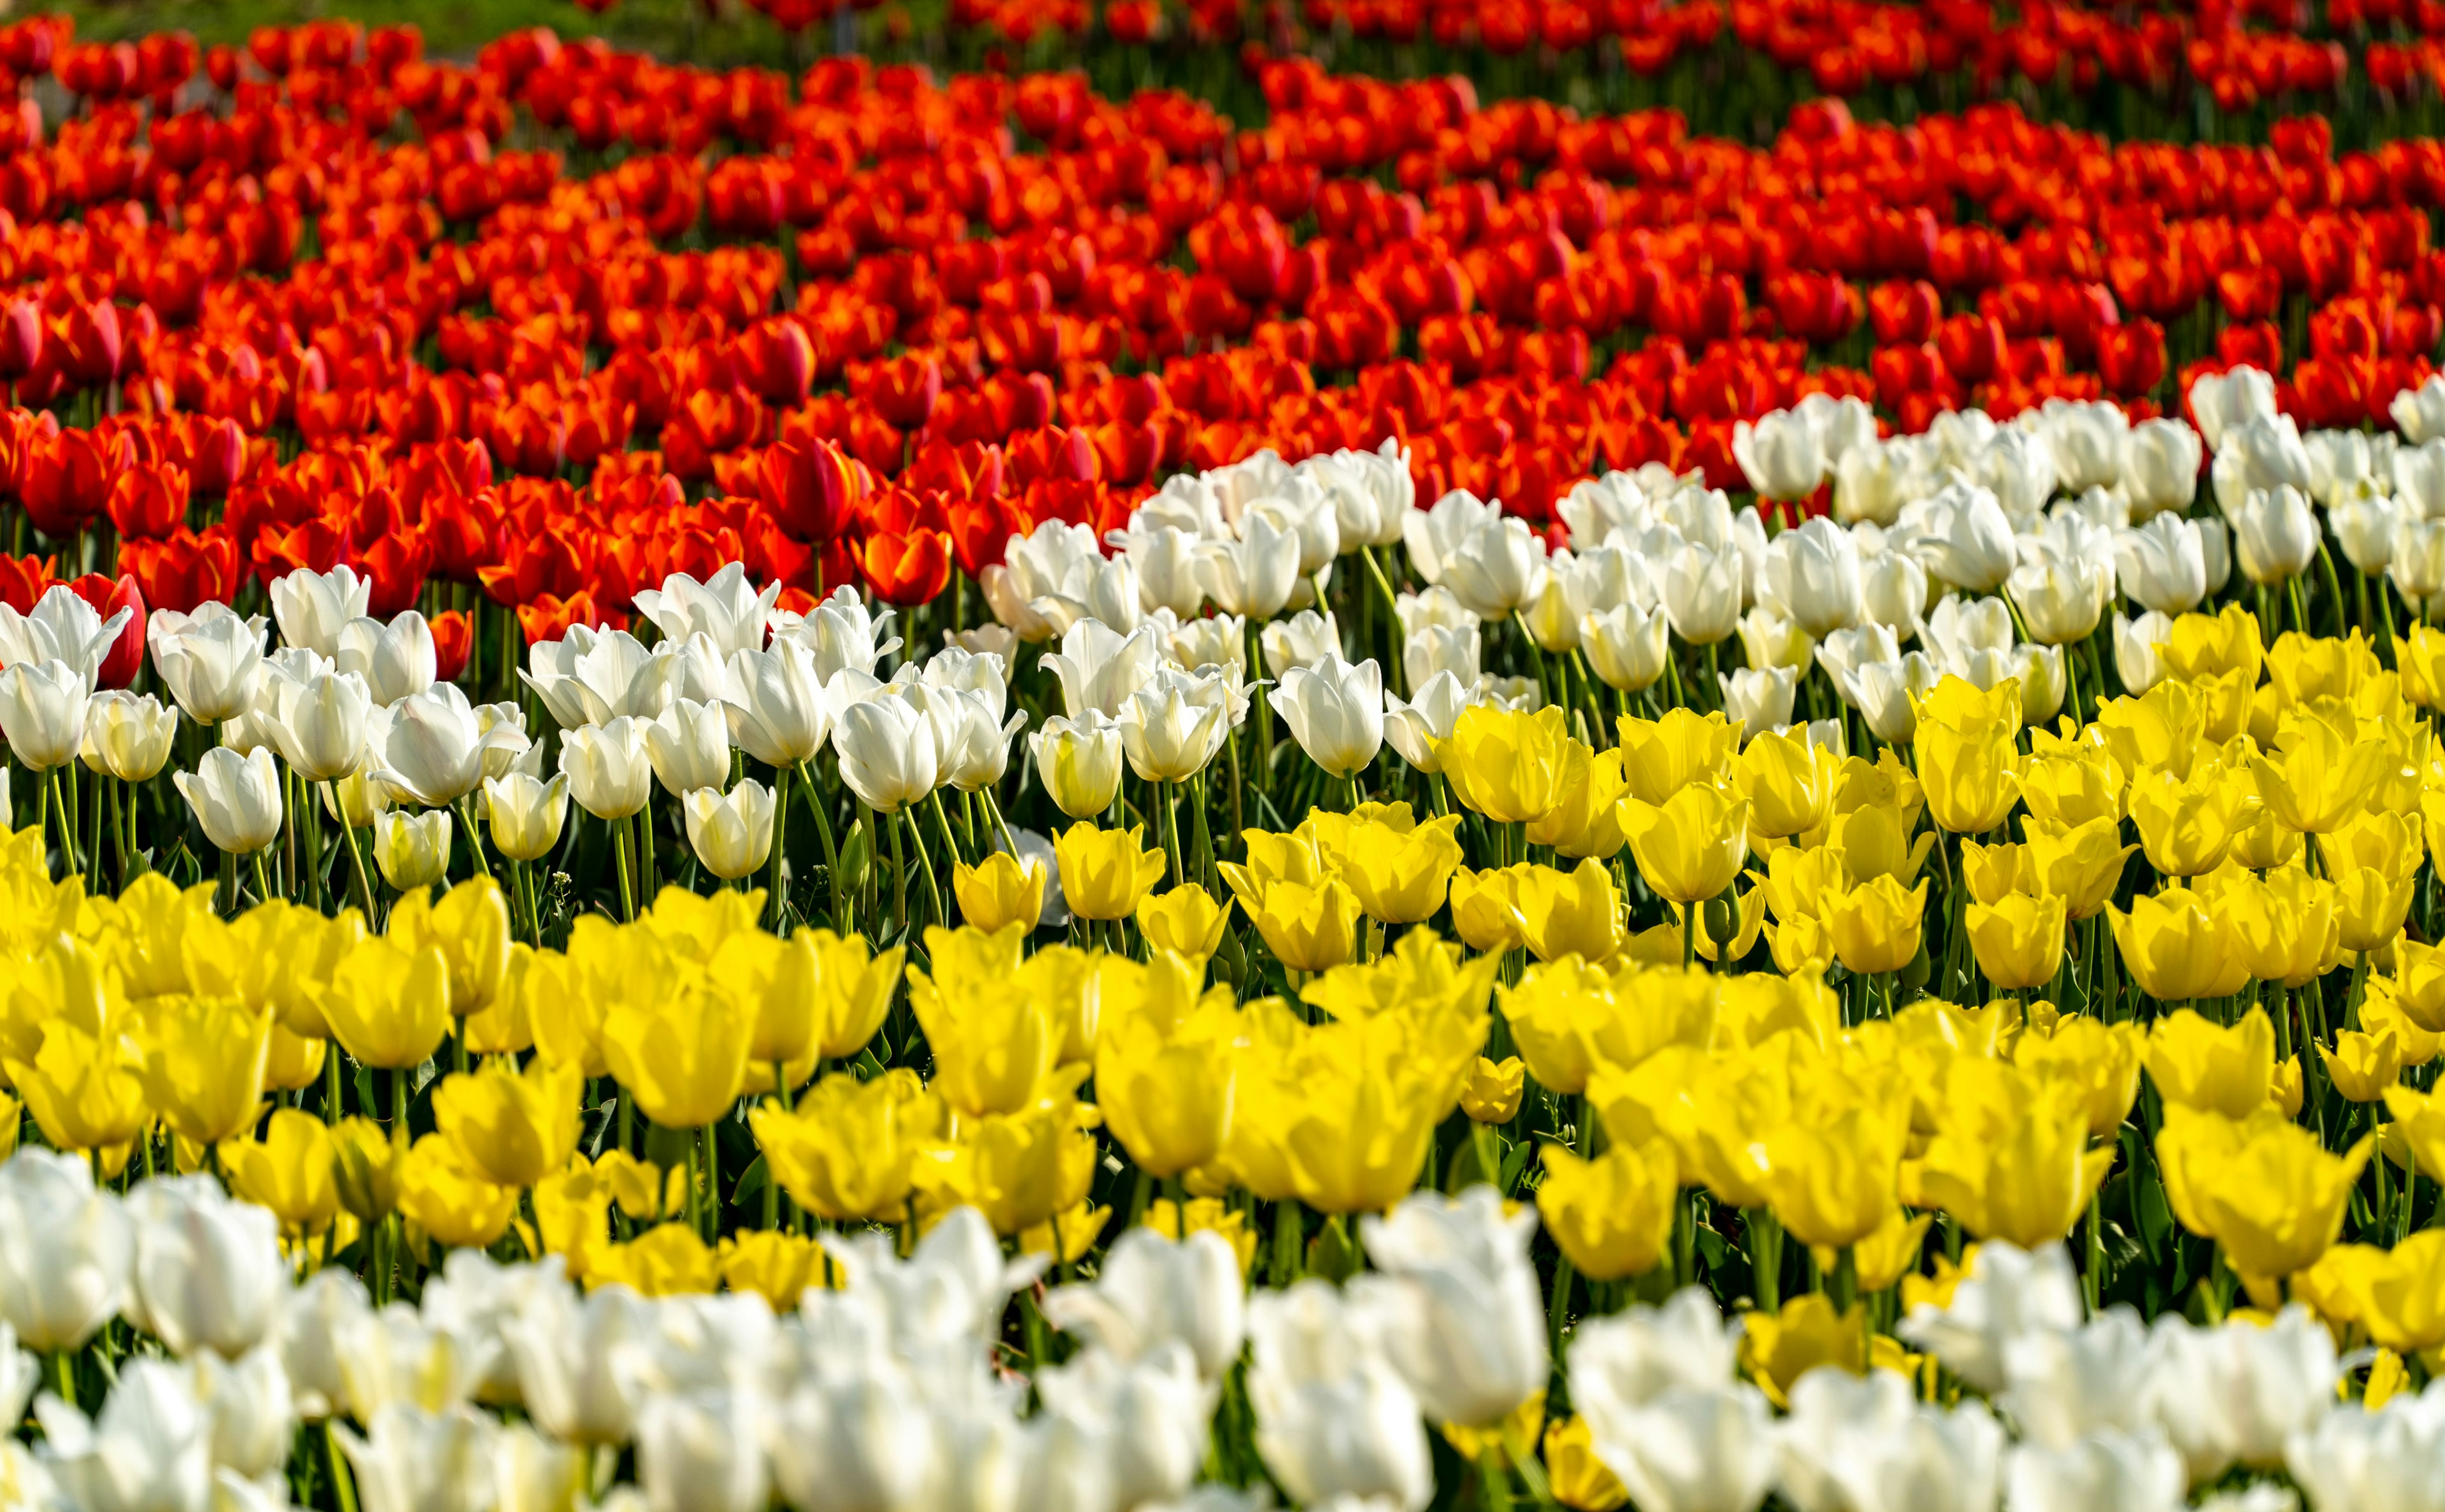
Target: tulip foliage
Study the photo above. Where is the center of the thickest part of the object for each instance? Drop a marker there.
(885, 795)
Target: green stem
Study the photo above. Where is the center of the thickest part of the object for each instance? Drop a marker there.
(925, 859)
(619, 868)
(820, 809)
(475, 840)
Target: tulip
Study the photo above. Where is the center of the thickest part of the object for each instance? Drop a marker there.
(851, 1443)
(65, 627)
(311, 607)
(689, 746)
(1419, 728)
(513, 1128)
(235, 799)
(413, 850)
(208, 1271)
(1079, 763)
(1876, 926)
(2112, 1470)
(1466, 1321)
(209, 660)
(1050, 580)
(1627, 646)
(682, 1055)
(1788, 783)
(1612, 1216)
(150, 1447)
(2264, 1189)
(289, 1171)
(66, 1250)
(2160, 467)
(888, 751)
(43, 712)
(1334, 1417)
(606, 767)
(128, 736)
(1760, 698)
(1812, 576)
(2274, 536)
(730, 832)
(999, 891)
(2363, 1066)
(722, 607)
(1572, 913)
(394, 660)
(1507, 766)
(1254, 574)
(441, 747)
(1702, 592)
(1690, 848)
(525, 816)
(1308, 927)
(1705, 1448)
(1104, 872)
(1968, 542)
(1493, 1091)
(204, 1066)
(2019, 941)
(1831, 1182)
(1334, 711)
(1892, 591)
(1171, 726)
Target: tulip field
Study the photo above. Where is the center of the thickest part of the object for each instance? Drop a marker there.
(1392, 754)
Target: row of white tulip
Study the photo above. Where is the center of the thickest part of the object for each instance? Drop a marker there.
(503, 1388)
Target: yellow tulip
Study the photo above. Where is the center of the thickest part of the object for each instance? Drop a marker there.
(777, 979)
(994, 1039)
(2198, 1063)
(2370, 907)
(514, 1127)
(1506, 764)
(681, 1054)
(1572, 913)
(1545, 1011)
(1583, 823)
(853, 991)
(470, 926)
(779, 1268)
(1788, 781)
(2421, 1117)
(204, 1065)
(2363, 1066)
(1308, 928)
(288, 1170)
(2098, 1060)
(1018, 1170)
(1104, 872)
(2420, 984)
(1069, 1236)
(1485, 908)
(1187, 921)
(2264, 1188)
(847, 1152)
(2321, 772)
(1662, 756)
(2068, 791)
(2205, 645)
(1802, 947)
(999, 891)
(442, 1193)
(2284, 1090)
(1401, 877)
(389, 1005)
(1612, 1216)
(2176, 948)
(85, 1090)
(366, 1165)
(2013, 1162)
(2286, 928)
(2381, 1012)
(1165, 1067)
(2187, 826)
(1832, 1183)
(1875, 842)
(1886, 1256)
(1777, 1349)
(2399, 1293)
(2301, 668)
(1876, 926)
(644, 1190)
(2377, 841)
(1690, 847)
(1579, 1479)
(1748, 922)
(2080, 864)
(2421, 661)
(2019, 941)
(669, 1261)
(1969, 757)
(1494, 1090)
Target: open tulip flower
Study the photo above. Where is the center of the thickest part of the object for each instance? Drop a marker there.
(868, 786)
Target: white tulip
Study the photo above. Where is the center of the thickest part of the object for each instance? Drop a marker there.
(2347, 465)
(1167, 730)
(2138, 644)
(209, 660)
(1893, 591)
(128, 736)
(1416, 727)
(1769, 639)
(1079, 762)
(2415, 562)
(2230, 398)
(1498, 569)
(2239, 1391)
(724, 607)
(1968, 539)
(327, 1308)
(702, 1452)
(859, 1442)
(889, 752)
(1627, 646)
(842, 632)
(1334, 711)
(1334, 1418)
(2274, 535)
(150, 1450)
(525, 813)
(1301, 640)
(416, 1459)
(311, 607)
(2061, 599)
(1026, 590)
(978, 751)
(1165, 560)
(439, 747)
(1255, 574)
(252, 1411)
(1434, 535)
(689, 746)
(1702, 592)
(1862, 1443)
(1370, 493)
(1601, 511)
(395, 660)
(67, 1251)
(1886, 693)
(2088, 440)
(2007, 1293)
(2161, 468)
(1694, 1450)
(731, 833)
(1813, 577)
(2419, 413)
(209, 1275)
(1304, 512)
(43, 712)
(2366, 528)
(2065, 1383)
(779, 707)
(606, 766)
(2419, 477)
(1099, 667)
(2357, 1461)
(2263, 453)
(237, 799)
(1758, 697)
(319, 721)
(412, 849)
(1465, 1314)
(2163, 564)
(2109, 1472)
(64, 628)
(1432, 649)
(1153, 1289)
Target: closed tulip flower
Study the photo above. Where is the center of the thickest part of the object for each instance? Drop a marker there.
(730, 832)
(682, 1056)
(1702, 592)
(1254, 574)
(204, 1066)
(1105, 872)
(1335, 712)
(311, 607)
(888, 752)
(1308, 927)
(1419, 727)
(1760, 698)
(1788, 782)
(439, 746)
(1690, 847)
(606, 766)
(2162, 565)
(1831, 1182)
(394, 660)
(526, 815)
(2019, 941)
(514, 1127)
(2175, 945)
(1877, 926)
(1494, 1090)
(1401, 877)
(1507, 766)
(2264, 1187)
(43, 712)
(999, 891)
(1169, 728)
(2198, 1063)
(1570, 912)
(689, 746)
(1627, 646)
(1813, 575)
(2363, 1066)
(1187, 922)
(1612, 1216)
(777, 708)
(66, 1251)
(2186, 826)
(289, 1171)
(2274, 536)
(412, 849)
(443, 1193)
(389, 1006)
(2080, 864)
(1079, 763)
(235, 799)
(209, 660)
(128, 736)
(847, 1152)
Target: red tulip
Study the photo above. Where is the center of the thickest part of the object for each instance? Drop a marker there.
(66, 479)
(108, 596)
(149, 500)
(904, 391)
(811, 488)
(24, 580)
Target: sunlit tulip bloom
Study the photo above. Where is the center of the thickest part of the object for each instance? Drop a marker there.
(235, 799)
(1498, 569)
(1967, 755)
(1079, 762)
(1334, 711)
(1832, 1181)
(730, 832)
(439, 747)
(1432, 649)
(1760, 698)
(1334, 1417)
(62, 627)
(2196, 1062)
(1169, 727)
(588, 676)
(2012, 1160)
(208, 661)
(1877, 926)
(688, 744)
(128, 736)
(1702, 592)
(526, 815)
(1185, 921)
(150, 1447)
(1402, 878)
(2187, 826)
(319, 720)
(66, 1250)
(1627, 646)
(1570, 912)
(606, 766)
(2018, 941)
(2274, 536)
(1494, 1090)
(1892, 591)
(1418, 728)
(205, 1060)
(289, 1171)
(1099, 667)
(1812, 575)
(1162, 559)
(778, 706)
(412, 849)
(1690, 848)
(1045, 581)
(2117, 1469)
(208, 1269)
(889, 754)
(514, 1127)
(2160, 467)
(2162, 565)
(1507, 766)
(1612, 1216)
(2262, 1187)
(389, 1006)
(999, 891)
(43, 712)
(1301, 640)
(1105, 872)
(724, 606)
(1462, 1303)
(1788, 782)
(1967, 540)
(442, 1190)
(1254, 574)
(395, 660)
(311, 607)
(1308, 927)
(1433, 534)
